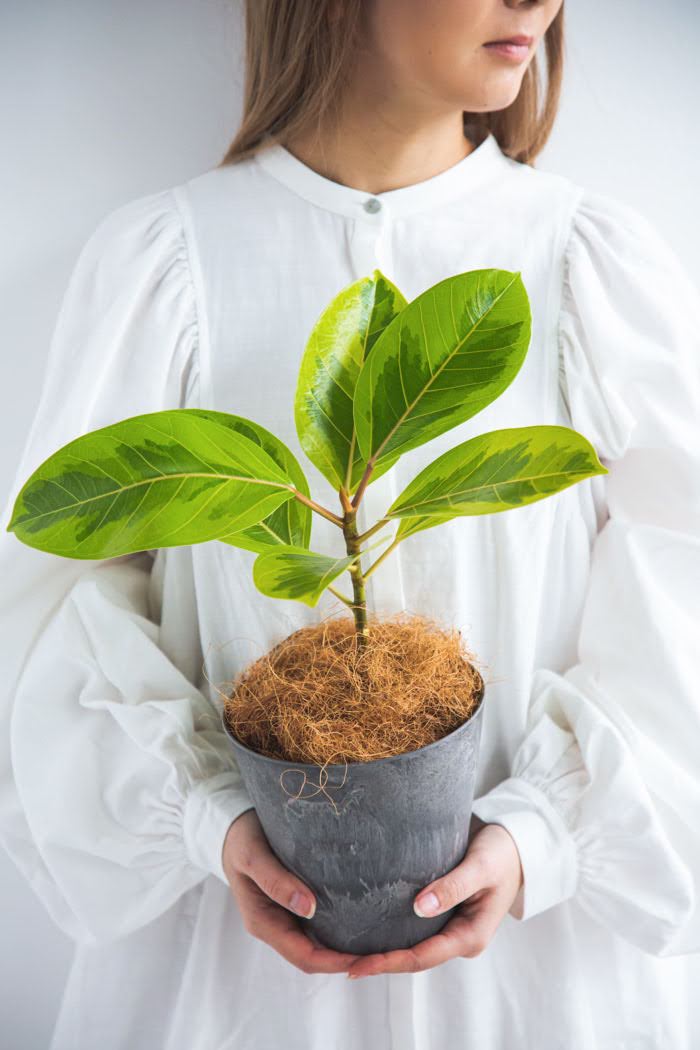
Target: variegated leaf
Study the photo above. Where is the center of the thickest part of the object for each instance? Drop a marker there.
(450, 353)
(409, 526)
(340, 342)
(302, 575)
(291, 522)
(496, 471)
(162, 479)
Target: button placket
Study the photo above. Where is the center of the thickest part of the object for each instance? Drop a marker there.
(370, 250)
(370, 241)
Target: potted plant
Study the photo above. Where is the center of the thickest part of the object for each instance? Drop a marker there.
(357, 739)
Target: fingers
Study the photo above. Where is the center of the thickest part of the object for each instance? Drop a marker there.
(273, 924)
(471, 875)
(261, 865)
(267, 892)
(482, 887)
(466, 934)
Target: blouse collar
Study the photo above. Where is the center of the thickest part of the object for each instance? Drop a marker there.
(456, 181)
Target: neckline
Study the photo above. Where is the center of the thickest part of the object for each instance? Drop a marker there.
(456, 181)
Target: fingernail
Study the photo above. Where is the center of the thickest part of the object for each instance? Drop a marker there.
(426, 905)
(301, 904)
(354, 976)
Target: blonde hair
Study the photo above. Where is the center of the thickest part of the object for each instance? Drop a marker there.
(297, 61)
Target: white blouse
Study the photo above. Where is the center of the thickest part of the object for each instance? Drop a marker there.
(117, 783)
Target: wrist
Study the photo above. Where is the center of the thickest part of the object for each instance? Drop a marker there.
(546, 847)
(211, 807)
(230, 843)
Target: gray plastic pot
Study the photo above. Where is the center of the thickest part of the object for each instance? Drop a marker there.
(367, 836)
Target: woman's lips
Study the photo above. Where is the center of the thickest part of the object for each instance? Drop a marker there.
(511, 49)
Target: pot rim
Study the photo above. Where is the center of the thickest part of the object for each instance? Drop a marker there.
(371, 761)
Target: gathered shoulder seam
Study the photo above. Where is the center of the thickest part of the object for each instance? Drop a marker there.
(556, 296)
(194, 270)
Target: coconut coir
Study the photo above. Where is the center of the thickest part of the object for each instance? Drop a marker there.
(318, 697)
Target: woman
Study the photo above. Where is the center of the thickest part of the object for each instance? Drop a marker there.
(389, 134)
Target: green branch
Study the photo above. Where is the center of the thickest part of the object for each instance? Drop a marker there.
(395, 542)
(318, 508)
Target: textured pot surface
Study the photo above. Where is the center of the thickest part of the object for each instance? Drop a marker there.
(367, 836)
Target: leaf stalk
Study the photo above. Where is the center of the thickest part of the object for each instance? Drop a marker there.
(318, 508)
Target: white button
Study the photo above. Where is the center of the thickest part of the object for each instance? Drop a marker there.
(372, 205)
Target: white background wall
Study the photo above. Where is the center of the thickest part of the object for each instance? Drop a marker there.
(102, 102)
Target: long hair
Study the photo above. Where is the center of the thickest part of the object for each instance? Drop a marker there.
(297, 61)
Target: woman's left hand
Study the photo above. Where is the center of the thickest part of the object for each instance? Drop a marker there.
(483, 885)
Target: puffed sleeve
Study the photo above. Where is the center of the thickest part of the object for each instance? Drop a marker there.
(603, 797)
(116, 782)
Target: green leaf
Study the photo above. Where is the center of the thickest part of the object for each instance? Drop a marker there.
(409, 526)
(162, 479)
(496, 471)
(340, 342)
(450, 353)
(289, 523)
(291, 572)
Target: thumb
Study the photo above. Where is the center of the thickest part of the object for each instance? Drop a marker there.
(467, 878)
(277, 882)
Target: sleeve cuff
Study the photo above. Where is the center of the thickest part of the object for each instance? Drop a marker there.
(210, 809)
(546, 847)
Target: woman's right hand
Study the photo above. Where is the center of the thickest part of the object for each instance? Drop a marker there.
(268, 895)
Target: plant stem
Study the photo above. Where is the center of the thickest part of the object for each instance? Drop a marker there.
(359, 604)
(348, 601)
(375, 528)
(319, 509)
(382, 556)
(364, 481)
(345, 500)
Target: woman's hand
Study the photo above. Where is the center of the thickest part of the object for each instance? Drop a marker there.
(266, 894)
(484, 885)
